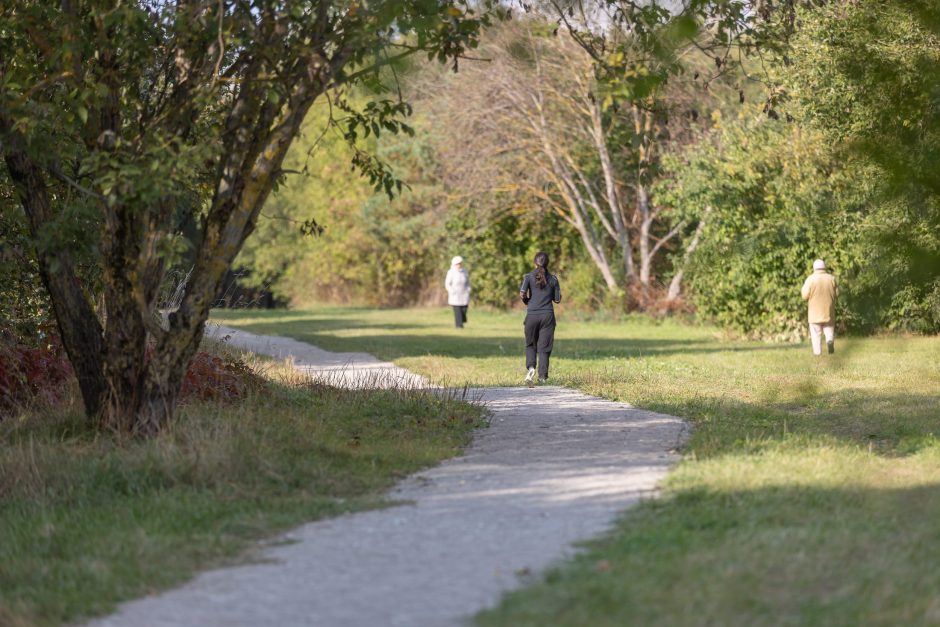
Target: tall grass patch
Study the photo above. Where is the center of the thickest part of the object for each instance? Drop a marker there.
(90, 519)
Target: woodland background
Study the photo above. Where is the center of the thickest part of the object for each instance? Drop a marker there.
(734, 192)
(693, 162)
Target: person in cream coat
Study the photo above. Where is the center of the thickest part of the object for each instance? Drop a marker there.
(457, 285)
(820, 291)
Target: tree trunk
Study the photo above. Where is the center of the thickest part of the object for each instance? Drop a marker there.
(643, 128)
(646, 255)
(596, 253)
(145, 382)
(675, 286)
(611, 192)
(126, 362)
(163, 386)
(78, 325)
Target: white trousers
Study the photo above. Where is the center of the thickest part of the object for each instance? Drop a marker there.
(815, 330)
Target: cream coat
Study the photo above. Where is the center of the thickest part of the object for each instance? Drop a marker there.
(457, 285)
(820, 291)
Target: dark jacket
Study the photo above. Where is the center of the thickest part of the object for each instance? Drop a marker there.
(539, 299)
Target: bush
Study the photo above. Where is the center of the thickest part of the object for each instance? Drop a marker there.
(915, 309)
(584, 289)
(778, 202)
(43, 374)
(29, 373)
(498, 251)
(220, 378)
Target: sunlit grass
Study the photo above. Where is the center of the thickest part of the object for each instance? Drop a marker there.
(809, 490)
(882, 391)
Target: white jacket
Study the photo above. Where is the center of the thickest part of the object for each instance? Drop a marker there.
(457, 285)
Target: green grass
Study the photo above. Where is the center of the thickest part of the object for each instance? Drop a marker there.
(809, 491)
(89, 520)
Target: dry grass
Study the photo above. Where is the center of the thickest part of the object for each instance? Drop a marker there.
(90, 519)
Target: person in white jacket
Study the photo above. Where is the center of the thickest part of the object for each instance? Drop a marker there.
(457, 285)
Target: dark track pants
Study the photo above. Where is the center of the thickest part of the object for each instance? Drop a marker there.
(539, 338)
(460, 315)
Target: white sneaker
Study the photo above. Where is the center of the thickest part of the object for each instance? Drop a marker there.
(530, 377)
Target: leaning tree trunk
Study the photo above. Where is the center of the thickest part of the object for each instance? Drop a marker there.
(643, 129)
(599, 135)
(247, 173)
(675, 285)
(595, 251)
(77, 322)
(646, 223)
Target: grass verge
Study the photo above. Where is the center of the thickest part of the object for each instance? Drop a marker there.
(88, 520)
(808, 493)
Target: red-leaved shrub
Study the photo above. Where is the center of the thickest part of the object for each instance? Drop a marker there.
(225, 379)
(43, 373)
(29, 373)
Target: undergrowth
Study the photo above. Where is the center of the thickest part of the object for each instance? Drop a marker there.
(90, 519)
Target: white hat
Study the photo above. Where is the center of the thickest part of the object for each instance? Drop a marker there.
(456, 260)
(819, 264)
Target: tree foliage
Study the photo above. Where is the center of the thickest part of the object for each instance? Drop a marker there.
(500, 248)
(24, 306)
(851, 176)
(866, 74)
(777, 200)
(816, 150)
(134, 120)
(329, 235)
(537, 136)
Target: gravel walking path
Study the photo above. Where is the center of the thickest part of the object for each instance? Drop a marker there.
(554, 467)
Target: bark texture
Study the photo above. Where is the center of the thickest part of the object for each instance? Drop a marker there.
(131, 367)
(81, 331)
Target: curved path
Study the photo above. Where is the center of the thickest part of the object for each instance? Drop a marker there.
(554, 467)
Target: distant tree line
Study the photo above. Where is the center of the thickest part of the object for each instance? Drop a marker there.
(707, 179)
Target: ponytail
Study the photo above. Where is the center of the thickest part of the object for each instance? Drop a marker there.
(541, 269)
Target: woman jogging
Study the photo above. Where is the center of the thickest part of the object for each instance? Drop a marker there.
(457, 284)
(539, 290)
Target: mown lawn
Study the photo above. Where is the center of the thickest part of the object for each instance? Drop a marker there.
(809, 493)
(88, 520)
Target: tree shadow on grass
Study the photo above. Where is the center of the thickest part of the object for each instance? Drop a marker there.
(395, 345)
(775, 555)
(411, 339)
(319, 325)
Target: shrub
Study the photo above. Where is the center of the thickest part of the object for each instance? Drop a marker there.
(43, 374)
(220, 378)
(779, 200)
(29, 373)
